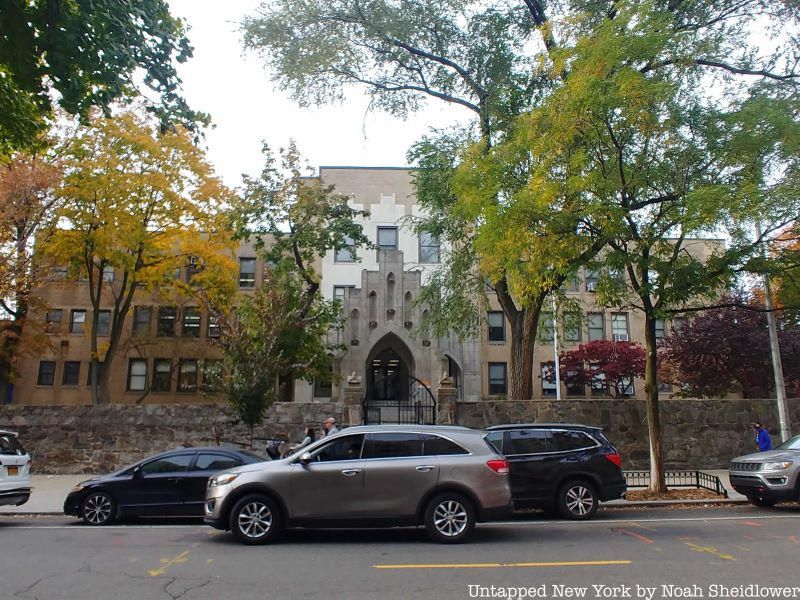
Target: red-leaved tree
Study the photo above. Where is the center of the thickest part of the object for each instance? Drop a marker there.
(610, 366)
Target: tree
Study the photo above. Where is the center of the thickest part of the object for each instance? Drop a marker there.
(603, 364)
(142, 203)
(28, 210)
(90, 53)
(787, 277)
(276, 331)
(725, 351)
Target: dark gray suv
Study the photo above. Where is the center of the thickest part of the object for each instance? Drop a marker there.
(445, 478)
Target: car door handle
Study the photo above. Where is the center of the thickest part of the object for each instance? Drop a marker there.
(351, 472)
(425, 468)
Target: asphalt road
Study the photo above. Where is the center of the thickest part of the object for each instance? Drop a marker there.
(705, 553)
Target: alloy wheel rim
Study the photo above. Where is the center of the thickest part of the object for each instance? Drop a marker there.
(97, 509)
(450, 518)
(255, 520)
(579, 500)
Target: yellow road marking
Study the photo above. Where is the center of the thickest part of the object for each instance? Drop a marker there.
(592, 563)
(166, 563)
(209, 561)
(710, 550)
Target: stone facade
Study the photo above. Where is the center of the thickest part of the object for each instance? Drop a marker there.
(698, 434)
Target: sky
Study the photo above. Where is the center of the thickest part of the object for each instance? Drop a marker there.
(247, 108)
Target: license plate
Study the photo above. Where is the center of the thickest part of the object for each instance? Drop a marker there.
(13, 471)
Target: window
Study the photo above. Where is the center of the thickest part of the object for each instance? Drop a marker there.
(572, 283)
(162, 375)
(77, 320)
(322, 390)
(546, 327)
(497, 326)
(393, 445)
(103, 322)
(137, 375)
(347, 253)
(678, 323)
(193, 267)
(661, 330)
(247, 272)
(71, 373)
(428, 248)
(215, 462)
(47, 372)
(167, 315)
(339, 292)
(619, 327)
(592, 278)
(572, 328)
(599, 385)
(190, 327)
(526, 441)
(564, 441)
(547, 370)
(597, 330)
(168, 464)
(108, 274)
(141, 320)
(434, 445)
(187, 375)
(52, 320)
(58, 274)
(345, 448)
(574, 383)
(212, 375)
(213, 329)
(625, 387)
(387, 238)
(497, 378)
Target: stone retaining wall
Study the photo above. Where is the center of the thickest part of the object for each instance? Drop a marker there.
(698, 434)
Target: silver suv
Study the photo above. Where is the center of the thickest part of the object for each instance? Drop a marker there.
(15, 464)
(445, 478)
(768, 477)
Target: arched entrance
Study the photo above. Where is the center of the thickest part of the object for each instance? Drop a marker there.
(393, 394)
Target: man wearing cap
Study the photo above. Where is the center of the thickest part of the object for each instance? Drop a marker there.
(330, 426)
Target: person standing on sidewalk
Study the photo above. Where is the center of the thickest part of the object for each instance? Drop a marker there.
(763, 441)
(329, 427)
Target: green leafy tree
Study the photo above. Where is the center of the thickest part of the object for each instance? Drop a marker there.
(143, 203)
(90, 53)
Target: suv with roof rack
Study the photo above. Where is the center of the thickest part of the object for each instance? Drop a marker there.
(560, 467)
(15, 465)
(445, 478)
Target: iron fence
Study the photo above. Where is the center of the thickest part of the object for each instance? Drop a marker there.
(695, 479)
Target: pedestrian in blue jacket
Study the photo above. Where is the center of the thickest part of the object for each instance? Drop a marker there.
(763, 441)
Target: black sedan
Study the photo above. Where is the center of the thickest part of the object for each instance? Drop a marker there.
(168, 484)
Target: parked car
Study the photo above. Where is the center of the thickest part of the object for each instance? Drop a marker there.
(767, 478)
(445, 478)
(15, 466)
(167, 484)
(561, 468)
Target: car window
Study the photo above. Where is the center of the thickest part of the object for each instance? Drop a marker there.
(344, 448)
(495, 438)
(216, 462)
(434, 445)
(790, 444)
(571, 440)
(168, 464)
(526, 441)
(393, 445)
(10, 445)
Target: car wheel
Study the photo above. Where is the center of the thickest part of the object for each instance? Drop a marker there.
(255, 519)
(577, 500)
(98, 508)
(760, 501)
(449, 518)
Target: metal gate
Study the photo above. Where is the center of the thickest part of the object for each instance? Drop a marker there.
(418, 409)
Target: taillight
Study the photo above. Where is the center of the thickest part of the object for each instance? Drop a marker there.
(498, 465)
(615, 458)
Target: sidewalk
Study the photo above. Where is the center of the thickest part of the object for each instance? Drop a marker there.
(49, 492)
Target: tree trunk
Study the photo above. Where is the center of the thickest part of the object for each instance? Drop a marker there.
(523, 327)
(657, 481)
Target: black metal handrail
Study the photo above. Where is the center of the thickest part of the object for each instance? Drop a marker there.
(695, 479)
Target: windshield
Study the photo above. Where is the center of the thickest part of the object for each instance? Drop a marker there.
(10, 445)
(790, 444)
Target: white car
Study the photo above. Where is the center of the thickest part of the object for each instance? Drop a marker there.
(15, 467)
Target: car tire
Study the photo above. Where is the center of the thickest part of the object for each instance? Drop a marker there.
(98, 508)
(449, 518)
(577, 500)
(760, 501)
(255, 519)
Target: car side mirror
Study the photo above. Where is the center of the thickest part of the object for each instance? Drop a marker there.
(305, 458)
(137, 473)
